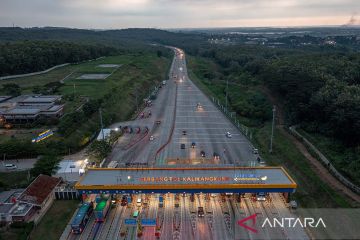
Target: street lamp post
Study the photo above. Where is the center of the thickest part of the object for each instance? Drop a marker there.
(226, 96)
(272, 129)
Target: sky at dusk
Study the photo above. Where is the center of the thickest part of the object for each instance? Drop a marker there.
(113, 14)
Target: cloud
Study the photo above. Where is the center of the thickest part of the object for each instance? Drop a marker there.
(174, 13)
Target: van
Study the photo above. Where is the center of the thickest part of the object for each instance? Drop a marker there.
(10, 166)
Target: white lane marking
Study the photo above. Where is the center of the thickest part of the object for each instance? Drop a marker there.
(211, 134)
(205, 117)
(197, 111)
(202, 122)
(199, 128)
(242, 142)
(194, 105)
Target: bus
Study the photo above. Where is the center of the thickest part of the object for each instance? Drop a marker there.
(136, 214)
(113, 164)
(82, 217)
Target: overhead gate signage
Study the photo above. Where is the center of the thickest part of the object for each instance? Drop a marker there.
(148, 222)
(130, 221)
(185, 179)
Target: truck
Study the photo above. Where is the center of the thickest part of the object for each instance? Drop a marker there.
(102, 208)
(161, 201)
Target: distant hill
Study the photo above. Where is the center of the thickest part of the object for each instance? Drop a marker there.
(118, 38)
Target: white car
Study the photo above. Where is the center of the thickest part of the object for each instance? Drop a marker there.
(261, 196)
(10, 166)
(228, 134)
(151, 138)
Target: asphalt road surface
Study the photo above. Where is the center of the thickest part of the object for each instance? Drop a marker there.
(181, 106)
(204, 125)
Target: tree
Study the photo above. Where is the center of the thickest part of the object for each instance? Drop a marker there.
(99, 150)
(47, 164)
(12, 89)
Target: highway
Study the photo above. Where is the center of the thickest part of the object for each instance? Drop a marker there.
(181, 106)
(204, 124)
(176, 106)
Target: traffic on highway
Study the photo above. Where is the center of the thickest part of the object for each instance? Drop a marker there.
(178, 127)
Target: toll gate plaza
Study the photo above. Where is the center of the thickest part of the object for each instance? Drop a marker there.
(186, 180)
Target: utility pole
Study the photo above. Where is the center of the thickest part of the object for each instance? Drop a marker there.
(272, 129)
(226, 96)
(102, 126)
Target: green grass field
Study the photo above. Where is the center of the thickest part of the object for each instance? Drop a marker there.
(14, 179)
(55, 220)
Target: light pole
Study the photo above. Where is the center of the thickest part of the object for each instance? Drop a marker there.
(272, 129)
(226, 96)
(102, 126)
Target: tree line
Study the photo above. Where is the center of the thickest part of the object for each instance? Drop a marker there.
(32, 56)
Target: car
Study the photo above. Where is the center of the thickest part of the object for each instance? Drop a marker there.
(183, 132)
(216, 156)
(151, 138)
(261, 196)
(10, 166)
(213, 195)
(198, 106)
(255, 151)
(193, 144)
(228, 134)
(262, 163)
(182, 146)
(158, 122)
(202, 153)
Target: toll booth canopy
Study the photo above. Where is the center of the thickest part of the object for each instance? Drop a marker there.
(186, 180)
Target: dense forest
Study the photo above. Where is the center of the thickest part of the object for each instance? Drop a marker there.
(320, 88)
(32, 56)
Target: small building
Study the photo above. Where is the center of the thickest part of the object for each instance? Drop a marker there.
(70, 170)
(104, 133)
(29, 108)
(22, 114)
(40, 192)
(22, 212)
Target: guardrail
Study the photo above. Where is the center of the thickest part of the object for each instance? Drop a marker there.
(232, 117)
(325, 161)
